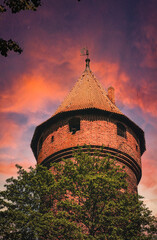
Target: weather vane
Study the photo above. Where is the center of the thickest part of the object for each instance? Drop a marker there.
(85, 52)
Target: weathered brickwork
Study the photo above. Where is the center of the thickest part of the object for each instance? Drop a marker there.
(94, 130)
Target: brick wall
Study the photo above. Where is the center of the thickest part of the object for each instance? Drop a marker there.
(94, 130)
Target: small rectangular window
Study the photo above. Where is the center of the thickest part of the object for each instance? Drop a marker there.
(121, 130)
(74, 125)
(40, 144)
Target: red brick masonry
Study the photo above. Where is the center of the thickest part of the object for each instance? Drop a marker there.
(95, 131)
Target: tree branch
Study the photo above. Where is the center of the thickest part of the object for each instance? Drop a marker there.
(10, 45)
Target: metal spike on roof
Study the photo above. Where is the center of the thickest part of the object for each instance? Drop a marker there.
(85, 52)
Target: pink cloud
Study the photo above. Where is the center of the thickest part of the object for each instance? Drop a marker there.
(149, 199)
(125, 90)
(149, 175)
(10, 132)
(9, 169)
(30, 94)
(148, 45)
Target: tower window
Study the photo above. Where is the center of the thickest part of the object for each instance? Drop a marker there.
(136, 148)
(74, 125)
(40, 143)
(52, 138)
(121, 130)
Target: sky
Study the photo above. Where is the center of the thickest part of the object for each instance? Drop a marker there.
(121, 36)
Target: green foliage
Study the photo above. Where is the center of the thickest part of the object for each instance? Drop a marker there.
(15, 6)
(2, 9)
(10, 45)
(18, 5)
(85, 198)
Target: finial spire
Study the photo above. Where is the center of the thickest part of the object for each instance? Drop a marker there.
(85, 51)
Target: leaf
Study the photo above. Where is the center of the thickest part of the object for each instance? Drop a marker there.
(10, 45)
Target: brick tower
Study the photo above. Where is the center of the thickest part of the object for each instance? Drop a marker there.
(88, 115)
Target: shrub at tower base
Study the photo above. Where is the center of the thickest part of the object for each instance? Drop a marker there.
(84, 198)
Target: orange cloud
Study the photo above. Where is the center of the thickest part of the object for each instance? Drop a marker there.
(10, 132)
(149, 175)
(110, 73)
(149, 165)
(49, 52)
(125, 90)
(147, 46)
(30, 93)
(49, 79)
(9, 169)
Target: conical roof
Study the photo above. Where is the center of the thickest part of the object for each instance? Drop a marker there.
(87, 93)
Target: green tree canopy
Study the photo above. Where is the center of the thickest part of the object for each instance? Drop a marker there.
(18, 5)
(85, 197)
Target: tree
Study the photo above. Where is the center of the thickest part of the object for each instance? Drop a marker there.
(10, 45)
(85, 197)
(15, 6)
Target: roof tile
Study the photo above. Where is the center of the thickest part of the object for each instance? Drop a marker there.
(87, 93)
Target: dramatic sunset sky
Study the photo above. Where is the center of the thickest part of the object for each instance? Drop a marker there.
(121, 36)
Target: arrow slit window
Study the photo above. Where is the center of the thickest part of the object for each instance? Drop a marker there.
(74, 125)
(40, 144)
(121, 130)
